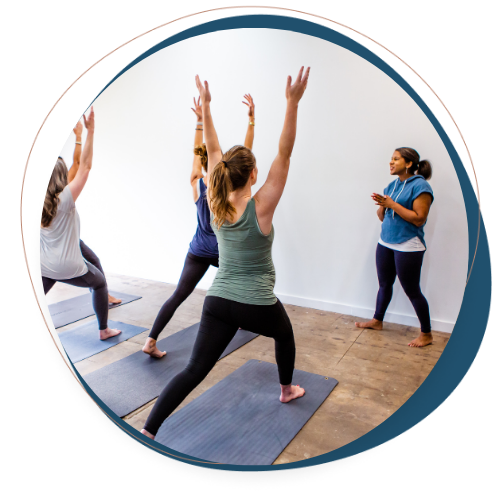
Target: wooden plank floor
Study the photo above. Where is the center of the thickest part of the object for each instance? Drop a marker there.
(377, 371)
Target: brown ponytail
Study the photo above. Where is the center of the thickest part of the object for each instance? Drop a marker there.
(201, 151)
(58, 181)
(420, 167)
(230, 174)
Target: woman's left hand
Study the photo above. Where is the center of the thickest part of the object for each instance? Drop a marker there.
(383, 200)
(251, 106)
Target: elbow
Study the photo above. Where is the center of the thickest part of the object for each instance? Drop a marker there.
(420, 222)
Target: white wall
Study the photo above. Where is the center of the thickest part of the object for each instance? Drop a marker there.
(137, 211)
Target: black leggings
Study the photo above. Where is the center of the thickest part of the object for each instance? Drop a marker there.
(219, 323)
(93, 279)
(194, 269)
(406, 266)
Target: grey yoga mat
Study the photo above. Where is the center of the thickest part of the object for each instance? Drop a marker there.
(130, 383)
(83, 341)
(71, 310)
(240, 420)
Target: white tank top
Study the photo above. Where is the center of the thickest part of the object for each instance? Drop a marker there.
(60, 254)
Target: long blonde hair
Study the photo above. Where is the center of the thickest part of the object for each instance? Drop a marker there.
(58, 181)
(230, 174)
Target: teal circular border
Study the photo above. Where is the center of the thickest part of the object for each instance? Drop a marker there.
(471, 323)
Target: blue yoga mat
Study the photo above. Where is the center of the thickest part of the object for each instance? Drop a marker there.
(240, 420)
(72, 310)
(83, 341)
(131, 382)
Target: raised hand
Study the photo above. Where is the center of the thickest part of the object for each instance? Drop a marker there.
(197, 109)
(78, 129)
(203, 90)
(89, 122)
(295, 92)
(251, 106)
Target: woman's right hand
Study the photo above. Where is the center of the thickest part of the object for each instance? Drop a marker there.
(197, 109)
(89, 122)
(203, 90)
(295, 92)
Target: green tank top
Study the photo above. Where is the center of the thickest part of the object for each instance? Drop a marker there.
(246, 271)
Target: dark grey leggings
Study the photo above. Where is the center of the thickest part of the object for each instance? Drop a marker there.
(194, 269)
(219, 323)
(93, 279)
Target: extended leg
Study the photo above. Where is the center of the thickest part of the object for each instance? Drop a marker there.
(194, 269)
(213, 337)
(273, 321)
(95, 280)
(91, 257)
(386, 272)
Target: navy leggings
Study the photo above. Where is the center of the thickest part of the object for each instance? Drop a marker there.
(406, 266)
(220, 321)
(93, 279)
(194, 269)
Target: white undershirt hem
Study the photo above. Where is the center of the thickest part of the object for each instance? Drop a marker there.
(412, 245)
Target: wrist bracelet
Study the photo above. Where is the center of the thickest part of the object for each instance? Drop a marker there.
(199, 123)
(76, 142)
(199, 129)
(251, 123)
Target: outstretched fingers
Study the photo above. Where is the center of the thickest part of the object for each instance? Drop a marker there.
(306, 76)
(299, 76)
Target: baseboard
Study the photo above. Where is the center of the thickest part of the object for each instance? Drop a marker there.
(363, 312)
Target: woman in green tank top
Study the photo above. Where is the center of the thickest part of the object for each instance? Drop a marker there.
(242, 294)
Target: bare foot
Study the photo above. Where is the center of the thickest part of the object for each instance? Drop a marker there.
(113, 300)
(108, 333)
(148, 434)
(422, 340)
(151, 349)
(373, 324)
(289, 392)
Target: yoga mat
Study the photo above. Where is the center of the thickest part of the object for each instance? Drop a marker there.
(130, 383)
(83, 341)
(240, 420)
(71, 310)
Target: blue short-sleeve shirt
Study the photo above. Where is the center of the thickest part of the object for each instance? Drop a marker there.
(394, 228)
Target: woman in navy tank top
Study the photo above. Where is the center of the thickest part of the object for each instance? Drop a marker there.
(203, 250)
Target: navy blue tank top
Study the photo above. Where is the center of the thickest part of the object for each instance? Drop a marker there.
(204, 243)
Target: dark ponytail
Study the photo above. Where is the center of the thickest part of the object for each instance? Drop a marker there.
(420, 167)
(425, 169)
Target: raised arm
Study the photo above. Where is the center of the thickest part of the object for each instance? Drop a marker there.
(197, 172)
(268, 196)
(78, 183)
(251, 121)
(213, 148)
(78, 151)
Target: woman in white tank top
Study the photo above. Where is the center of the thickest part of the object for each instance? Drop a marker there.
(60, 255)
